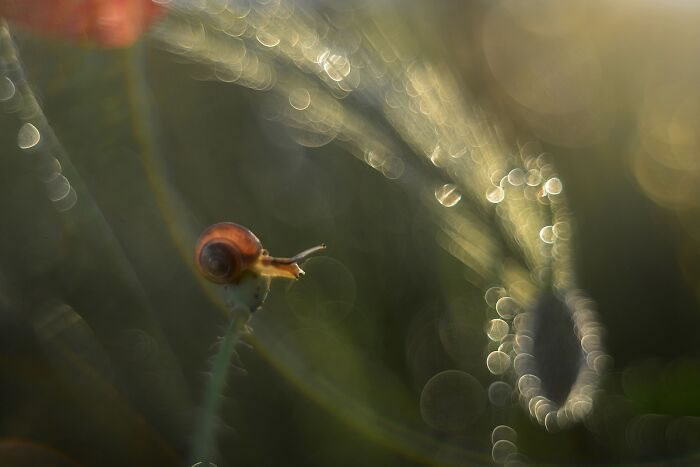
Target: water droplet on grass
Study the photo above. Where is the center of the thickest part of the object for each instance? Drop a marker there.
(299, 98)
(516, 177)
(447, 195)
(498, 362)
(502, 449)
(28, 136)
(7, 89)
(506, 307)
(57, 187)
(495, 195)
(553, 186)
(547, 235)
(503, 432)
(497, 329)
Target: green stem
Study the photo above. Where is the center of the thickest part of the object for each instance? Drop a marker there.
(205, 442)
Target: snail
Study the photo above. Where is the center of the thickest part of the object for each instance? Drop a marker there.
(226, 250)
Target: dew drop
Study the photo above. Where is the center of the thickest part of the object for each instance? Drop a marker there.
(503, 432)
(506, 307)
(313, 137)
(337, 67)
(228, 73)
(7, 89)
(590, 342)
(497, 330)
(28, 136)
(47, 167)
(542, 409)
(562, 230)
(267, 39)
(498, 362)
(523, 344)
(507, 344)
(523, 321)
(438, 157)
(547, 234)
(550, 421)
(529, 384)
(533, 177)
(448, 195)
(57, 187)
(322, 56)
(375, 159)
(457, 151)
(493, 294)
(516, 177)
(393, 168)
(553, 186)
(351, 81)
(67, 202)
(240, 8)
(502, 449)
(300, 98)
(602, 363)
(495, 195)
(236, 29)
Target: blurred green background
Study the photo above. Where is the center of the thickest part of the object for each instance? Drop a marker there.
(105, 330)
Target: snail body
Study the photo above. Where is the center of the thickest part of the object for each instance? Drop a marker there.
(226, 250)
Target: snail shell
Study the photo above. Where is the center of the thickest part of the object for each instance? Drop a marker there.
(225, 250)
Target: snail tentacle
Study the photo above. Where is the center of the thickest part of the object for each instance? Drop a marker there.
(300, 256)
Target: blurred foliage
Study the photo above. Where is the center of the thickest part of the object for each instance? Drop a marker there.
(105, 330)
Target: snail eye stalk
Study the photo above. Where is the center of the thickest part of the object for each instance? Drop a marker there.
(301, 256)
(285, 267)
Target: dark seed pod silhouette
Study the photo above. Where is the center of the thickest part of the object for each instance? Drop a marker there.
(226, 250)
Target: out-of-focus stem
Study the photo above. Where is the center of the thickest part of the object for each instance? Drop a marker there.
(204, 444)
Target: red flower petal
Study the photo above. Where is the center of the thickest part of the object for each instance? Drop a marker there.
(110, 23)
